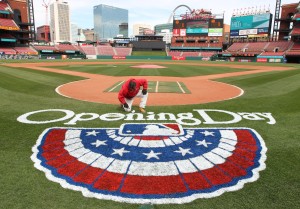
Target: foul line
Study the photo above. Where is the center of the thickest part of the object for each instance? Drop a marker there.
(116, 86)
(180, 87)
(156, 88)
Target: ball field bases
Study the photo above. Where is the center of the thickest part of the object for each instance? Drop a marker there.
(25, 90)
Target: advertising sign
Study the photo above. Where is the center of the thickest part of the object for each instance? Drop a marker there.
(215, 32)
(251, 24)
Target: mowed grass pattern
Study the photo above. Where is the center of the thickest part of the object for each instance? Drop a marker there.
(24, 90)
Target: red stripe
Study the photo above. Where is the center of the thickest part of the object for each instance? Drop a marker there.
(232, 169)
(242, 152)
(88, 176)
(109, 181)
(216, 176)
(55, 135)
(240, 161)
(54, 153)
(60, 161)
(252, 148)
(153, 185)
(173, 126)
(72, 168)
(52, 146)
(245, 136)
(195, 181)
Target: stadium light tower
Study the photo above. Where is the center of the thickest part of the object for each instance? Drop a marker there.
(46, 5)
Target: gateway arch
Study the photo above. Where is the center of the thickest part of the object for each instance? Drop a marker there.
(172, 14)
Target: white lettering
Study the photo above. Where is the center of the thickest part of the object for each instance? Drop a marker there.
(268, 115)
(187, 116)
(250, 116)
(112, 116)
(208, 120)
(207, 116)
(82, 117)
(23, 118)
(162, 116)
(150, 116)
(130, 116)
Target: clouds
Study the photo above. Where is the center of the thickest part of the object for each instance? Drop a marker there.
(150, 12)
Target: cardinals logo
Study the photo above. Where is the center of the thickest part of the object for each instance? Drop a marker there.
(150, 163)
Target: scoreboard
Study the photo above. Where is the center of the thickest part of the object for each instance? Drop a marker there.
(203, 27)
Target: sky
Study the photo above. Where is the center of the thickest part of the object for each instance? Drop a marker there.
(150, 12)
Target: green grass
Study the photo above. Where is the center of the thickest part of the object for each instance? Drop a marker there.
(124, 69)
(24, 90)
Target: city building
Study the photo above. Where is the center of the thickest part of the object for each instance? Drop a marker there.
(109, 22)
(162, 27)
(60, 21)
(43, 34)
(76, 33)
(89, 34)
(140, 29)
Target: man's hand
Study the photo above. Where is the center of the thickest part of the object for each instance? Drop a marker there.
(125, 105)
(144, 91)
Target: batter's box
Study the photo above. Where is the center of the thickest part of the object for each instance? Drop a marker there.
(157, 87)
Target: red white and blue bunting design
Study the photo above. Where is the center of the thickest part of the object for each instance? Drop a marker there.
(150, 163)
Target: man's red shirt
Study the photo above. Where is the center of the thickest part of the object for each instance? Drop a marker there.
(125, 93)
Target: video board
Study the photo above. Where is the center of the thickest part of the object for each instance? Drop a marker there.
(257, 25)
(203, 27)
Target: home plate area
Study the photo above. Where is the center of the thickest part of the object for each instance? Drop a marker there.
(150, 162)
(157, 87)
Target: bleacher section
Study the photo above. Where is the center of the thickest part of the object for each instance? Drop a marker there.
(7, 50)
(45, 48)
(9, 23)
(105, 50)
(294, 51)
(279, 46)
(25, 50)
(88, 50)
(256, 48)
(119, 51)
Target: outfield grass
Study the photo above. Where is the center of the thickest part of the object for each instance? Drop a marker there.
(24, 90)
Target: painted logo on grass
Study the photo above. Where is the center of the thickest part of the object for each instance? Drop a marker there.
(150, 163)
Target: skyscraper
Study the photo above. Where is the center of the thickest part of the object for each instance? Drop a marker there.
(60, 21)
(110, 21)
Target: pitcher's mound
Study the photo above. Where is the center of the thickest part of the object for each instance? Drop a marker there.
(148, 66)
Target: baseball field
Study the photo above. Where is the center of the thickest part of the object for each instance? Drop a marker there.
(40, 100)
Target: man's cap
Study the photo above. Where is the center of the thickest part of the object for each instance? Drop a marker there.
(132, 84)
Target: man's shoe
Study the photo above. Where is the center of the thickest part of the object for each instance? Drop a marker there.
(142, 110)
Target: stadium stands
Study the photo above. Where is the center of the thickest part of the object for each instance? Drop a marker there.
(105, 50)
(25, 50)
(280, 46)
(8, 50)
(66, 47)
(9, 23)
(46, 47)
(122, 51)
(88, 50)
(294, 51)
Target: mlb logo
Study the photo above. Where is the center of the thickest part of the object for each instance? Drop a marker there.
(155, 163)
(166, 129)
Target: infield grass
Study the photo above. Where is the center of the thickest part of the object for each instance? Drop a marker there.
(25, 90)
